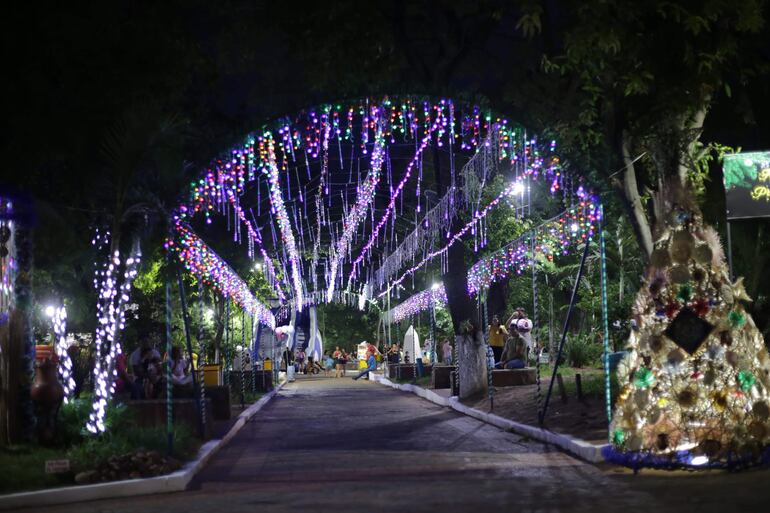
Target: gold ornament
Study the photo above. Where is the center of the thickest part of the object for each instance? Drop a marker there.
(739, 291)
(660, 258)
(703, 254)
(680, 274)
(682, 246)
(719, 398)
(761, 410)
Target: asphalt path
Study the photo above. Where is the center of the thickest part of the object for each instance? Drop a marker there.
(326, 444)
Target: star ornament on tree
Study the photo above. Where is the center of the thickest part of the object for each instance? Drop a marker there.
(739, 291)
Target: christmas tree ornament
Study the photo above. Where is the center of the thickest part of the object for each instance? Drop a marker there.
(680, 274)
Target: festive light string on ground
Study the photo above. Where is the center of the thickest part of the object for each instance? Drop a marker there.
(436, 295)
(364, 198)
(196, 256)
(552, 238)
(65, 363)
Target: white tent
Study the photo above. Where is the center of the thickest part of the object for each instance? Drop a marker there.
(412, 344)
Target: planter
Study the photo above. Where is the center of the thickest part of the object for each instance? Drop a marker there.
(47, 393)
(212, 375)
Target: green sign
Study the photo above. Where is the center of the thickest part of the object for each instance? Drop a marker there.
(747, 184)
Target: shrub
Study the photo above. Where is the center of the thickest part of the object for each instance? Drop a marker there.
(581, 351)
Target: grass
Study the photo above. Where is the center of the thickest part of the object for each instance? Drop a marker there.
(593, 384)
(23, 468)
(248, 399)
(423, 382)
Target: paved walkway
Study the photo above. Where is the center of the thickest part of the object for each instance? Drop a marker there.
(340, 445)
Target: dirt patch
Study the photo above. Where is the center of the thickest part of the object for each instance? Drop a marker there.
(585, 419)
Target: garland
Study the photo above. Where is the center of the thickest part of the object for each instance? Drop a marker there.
(556, 236)
(364, 198)
(417, 303)
(209, 267)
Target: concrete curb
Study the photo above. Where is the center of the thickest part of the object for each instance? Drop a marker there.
(587, 451)
(174, 482)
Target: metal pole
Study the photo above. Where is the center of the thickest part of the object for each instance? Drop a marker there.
(572, 302)
(201, 352)
(605, 315)
(169, 404)
(730, 250)
(183, 299)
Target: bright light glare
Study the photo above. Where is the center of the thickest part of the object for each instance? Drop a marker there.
(574, 228)
(257, 266)
(518, 187)
(50, 310)
(435, 286)
(699, 460)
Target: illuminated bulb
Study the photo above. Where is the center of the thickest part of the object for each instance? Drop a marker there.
(699, 460)
(50, 311)
(574, 228)
(518, 188)
(435, 286)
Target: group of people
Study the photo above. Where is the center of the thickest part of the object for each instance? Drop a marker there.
(143, 374)
(511, 343)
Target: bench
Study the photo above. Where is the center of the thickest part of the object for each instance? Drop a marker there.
(514, 377)
(263, 380)
(152, 413)
(440, 378)
(220, 400)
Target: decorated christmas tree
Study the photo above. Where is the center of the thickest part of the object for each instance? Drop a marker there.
(694, 386)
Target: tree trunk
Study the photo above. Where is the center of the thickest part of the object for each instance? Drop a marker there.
(471, 351)
(471, 362)
(628, 189)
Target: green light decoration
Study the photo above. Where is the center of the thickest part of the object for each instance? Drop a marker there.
(746, 380)
(736, 319)
(685, 293)
(643, 378)
(618, 437)
(605, 316)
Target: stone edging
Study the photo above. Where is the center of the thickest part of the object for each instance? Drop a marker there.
(580, 448)
(174, 482)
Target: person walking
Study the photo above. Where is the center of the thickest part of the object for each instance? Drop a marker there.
(497, 335)
(337, 355)
(371, 365)
(328, 362)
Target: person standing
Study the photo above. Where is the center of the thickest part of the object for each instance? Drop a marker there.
(337, 355)
(328, 364)
(497, 335)
(446, 348)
